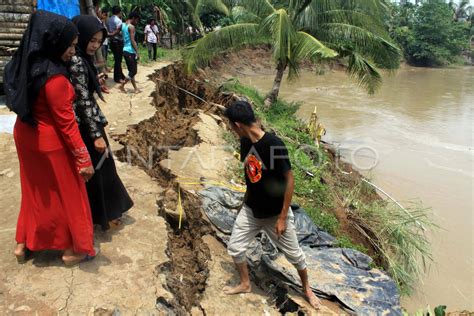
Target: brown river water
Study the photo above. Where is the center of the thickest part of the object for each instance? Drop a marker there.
(414, 139)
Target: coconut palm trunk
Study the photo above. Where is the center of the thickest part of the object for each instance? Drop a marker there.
(273, 94)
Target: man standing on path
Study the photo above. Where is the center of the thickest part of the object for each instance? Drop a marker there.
(130, 50)
(266, 207)
(151, 38)
(114, 27)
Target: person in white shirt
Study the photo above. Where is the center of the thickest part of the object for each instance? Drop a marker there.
(114, 27)
(152, 36)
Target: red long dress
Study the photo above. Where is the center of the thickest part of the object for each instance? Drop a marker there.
(55, 211)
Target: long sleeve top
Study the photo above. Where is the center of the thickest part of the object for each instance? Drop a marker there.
(56, 128)
(88, 113)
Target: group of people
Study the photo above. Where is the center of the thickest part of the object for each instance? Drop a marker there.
(121, 39)
(122, 42)
(68, 176)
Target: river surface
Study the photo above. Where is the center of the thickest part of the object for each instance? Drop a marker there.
(417, 134)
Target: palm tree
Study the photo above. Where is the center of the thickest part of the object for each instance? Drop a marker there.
(198, 7)
(463, 10)
(306, 29)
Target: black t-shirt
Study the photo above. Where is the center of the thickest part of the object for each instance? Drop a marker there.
(265, 164)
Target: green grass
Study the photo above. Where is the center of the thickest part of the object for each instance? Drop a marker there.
(324, 220)
(162, 54)
(402, 247)
(346, 242)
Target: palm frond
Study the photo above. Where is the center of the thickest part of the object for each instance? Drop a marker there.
(314, 21)
(307, 47)
(201, 52)
(365, 72)
(242, 15)
(383, 52)
(217, 5)
(282, 32)
(260, 8)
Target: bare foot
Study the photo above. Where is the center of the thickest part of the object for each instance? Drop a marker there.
(75, 258)
(241, 288)
(137, 91)
(313, 299)
(122, 88)
(20, 249)
(21, 253)
(115, 224)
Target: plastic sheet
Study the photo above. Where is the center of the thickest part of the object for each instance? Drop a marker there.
(340, 273)
(68, 8)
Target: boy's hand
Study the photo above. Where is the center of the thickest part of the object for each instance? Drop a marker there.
(280, 227)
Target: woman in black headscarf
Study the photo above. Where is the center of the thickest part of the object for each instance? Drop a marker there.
(54, 162)
(107, 196)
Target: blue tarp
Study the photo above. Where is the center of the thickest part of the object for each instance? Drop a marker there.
(69, 8)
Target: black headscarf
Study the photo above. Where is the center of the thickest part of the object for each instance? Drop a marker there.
(38, 57)
(88, 25)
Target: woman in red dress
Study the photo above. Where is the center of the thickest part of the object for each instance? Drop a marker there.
(54, 162)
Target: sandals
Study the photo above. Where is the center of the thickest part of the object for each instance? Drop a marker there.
(116, 224)
(75, 262)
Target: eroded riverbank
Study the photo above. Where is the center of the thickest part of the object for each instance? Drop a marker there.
(415, 136)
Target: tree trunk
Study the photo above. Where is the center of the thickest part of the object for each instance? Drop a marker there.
(273, 95)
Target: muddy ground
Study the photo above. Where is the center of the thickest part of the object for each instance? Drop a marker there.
(151, 266)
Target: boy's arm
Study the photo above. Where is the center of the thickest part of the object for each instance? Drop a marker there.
(131, 28)
(290, 186)
(280, 226)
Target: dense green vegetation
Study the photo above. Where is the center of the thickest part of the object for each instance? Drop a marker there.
(361, 32)
(173, 16)
(432, 34)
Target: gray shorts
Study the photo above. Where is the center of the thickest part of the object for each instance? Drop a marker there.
(246, 227)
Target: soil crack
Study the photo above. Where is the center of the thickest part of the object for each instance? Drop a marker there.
(146, 145)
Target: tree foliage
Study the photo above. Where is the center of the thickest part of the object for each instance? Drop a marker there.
(431, 34)
(174, 16)
(301, 30)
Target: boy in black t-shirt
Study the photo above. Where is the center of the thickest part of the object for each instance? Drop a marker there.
(270, 185)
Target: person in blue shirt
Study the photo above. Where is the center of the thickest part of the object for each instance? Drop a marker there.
(130, 50)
